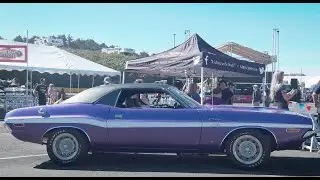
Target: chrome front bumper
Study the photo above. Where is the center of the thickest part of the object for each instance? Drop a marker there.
(309, 134)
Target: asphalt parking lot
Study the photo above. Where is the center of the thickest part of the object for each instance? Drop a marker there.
(25, 159)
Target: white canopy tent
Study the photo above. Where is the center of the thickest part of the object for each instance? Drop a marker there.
(50, 59)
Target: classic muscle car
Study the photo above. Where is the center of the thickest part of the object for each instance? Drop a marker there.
(115, 118)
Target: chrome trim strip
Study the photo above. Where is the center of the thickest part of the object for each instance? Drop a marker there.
(57, 127)
(248, 128)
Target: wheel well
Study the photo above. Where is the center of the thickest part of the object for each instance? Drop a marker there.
(261, 130)
(45, 136)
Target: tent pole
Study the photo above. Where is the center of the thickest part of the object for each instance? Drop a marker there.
(78, 82)
(70, 83)
(212, 88)
(92, 80)
(264, 83)
(201, 84)
(27, 69)
(123, 76)
(31, 79)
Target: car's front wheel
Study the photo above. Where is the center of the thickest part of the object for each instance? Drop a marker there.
(249, 149)
(66, 146)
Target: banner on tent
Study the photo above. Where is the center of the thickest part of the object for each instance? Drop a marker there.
(233, 65)
(13, 53)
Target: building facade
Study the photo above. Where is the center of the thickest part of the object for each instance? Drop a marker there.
(117, 50)
(49, 41)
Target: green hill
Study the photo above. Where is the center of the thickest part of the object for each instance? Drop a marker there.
(91, 50)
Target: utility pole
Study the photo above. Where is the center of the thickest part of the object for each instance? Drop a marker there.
(278, 60)
(275, 49)
(174, 40)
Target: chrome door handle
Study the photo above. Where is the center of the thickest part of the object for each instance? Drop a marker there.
(214, 119)
(118, 116)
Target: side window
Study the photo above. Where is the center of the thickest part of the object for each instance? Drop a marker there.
(146, 99)
(110, 98)
(161, 100)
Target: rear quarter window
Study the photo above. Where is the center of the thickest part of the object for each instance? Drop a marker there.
(110, 98)
(90, 95)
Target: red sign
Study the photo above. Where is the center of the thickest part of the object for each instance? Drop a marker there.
(13, 53)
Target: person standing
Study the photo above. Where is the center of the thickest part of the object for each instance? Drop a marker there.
(266, 95)
(106, 81)
(256, 96)
(278, 93)
(226, 93)
(192, 92)
(52, 94)
(61, 96)
(316, 98)
(142, 98)
(41, 91)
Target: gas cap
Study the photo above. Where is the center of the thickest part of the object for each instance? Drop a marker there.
(42, 111)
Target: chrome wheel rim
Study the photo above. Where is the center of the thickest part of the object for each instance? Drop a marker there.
(65, 146)
(247, 149)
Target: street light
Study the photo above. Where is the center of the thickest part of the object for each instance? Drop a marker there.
(277, 30)
(275, 50)
(174, 40)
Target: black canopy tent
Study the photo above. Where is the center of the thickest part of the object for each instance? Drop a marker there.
(196, 58)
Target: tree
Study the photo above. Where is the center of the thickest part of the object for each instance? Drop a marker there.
(32, 39)
(143, 54)
(18, 39)
(1, 37)
(103, 45)
(69, 40)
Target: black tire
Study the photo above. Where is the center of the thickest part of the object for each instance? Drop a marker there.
(256, 137)
(82, 146)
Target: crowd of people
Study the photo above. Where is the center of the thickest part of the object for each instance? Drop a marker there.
(48, 94)
(221, 93)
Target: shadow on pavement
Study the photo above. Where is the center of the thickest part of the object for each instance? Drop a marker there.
(285, 166)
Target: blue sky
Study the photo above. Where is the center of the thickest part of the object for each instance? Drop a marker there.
(150, 27)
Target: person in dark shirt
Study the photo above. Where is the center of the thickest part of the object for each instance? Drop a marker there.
(256, 96)
(278, 92)
(226, 93)
(62, 95)
(316, 98)
(41, 91)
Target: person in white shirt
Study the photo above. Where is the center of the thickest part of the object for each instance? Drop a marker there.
(106, 81)
(143, 98)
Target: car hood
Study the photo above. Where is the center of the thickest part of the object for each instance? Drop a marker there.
(256, 114)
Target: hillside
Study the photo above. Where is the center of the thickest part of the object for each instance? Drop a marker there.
(114, 61)
(91, 50)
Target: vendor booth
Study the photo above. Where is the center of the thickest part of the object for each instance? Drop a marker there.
(41, 58)
(195, 58)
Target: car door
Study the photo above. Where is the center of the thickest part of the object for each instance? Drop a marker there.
(154, 128)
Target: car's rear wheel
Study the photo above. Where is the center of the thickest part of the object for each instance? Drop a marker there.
(249, 149)
(66, 146)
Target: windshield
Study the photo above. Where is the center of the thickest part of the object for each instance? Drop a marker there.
(88, 96)
(188, 100)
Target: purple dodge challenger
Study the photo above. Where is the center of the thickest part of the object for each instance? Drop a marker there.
(156, 118)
